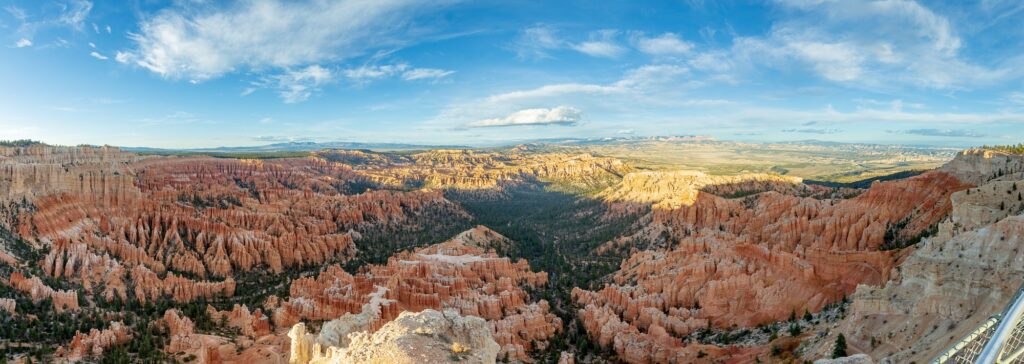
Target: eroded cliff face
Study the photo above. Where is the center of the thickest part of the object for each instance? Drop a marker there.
(675, 189)
(459, 275)
(752, 260)
(949, 285)
(101, 173)
(482, 174)
(186, 226)
(39, 291)
(422, 337)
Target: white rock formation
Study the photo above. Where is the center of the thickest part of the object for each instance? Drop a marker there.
(424, 337)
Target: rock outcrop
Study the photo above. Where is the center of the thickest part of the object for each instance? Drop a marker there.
(979, 165)
(948, 286)
(424, 337)
(9, 305)
(96, 341)
(455, 275)
(38, 291)
(253, 324)
(748, 261)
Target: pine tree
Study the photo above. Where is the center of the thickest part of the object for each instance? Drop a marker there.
(839, 350)
(795, 329)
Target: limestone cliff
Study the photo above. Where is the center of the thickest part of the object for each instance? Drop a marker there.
(948, 286)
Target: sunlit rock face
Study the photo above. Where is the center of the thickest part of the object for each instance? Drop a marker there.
(977, 166)
(481, 174)
(428, 336)
(100, 173)
(459, 275)
(748, 260)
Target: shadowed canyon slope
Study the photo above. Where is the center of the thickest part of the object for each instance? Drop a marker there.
(583, 258)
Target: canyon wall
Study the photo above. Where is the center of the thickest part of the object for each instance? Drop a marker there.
(745, 261)
(950, 284)
(182, 227)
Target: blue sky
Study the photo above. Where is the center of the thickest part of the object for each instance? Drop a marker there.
(194, 73)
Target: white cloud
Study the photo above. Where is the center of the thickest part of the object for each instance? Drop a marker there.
(109, 31)
(23, 42)
(877, 45)
(425, 73)
(98, 56)
(122, 57)
(601, 44)
(668, 44)
(639, 80)
(562, 115)
(599, 49)
(297, 86)
(555, 90)
(369, 72)
(652, 75)
(204, 42)
(92, 45)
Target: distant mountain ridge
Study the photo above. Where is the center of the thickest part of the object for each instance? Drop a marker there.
(296, 147)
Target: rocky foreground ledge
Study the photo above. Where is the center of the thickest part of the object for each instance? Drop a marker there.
(428, 336)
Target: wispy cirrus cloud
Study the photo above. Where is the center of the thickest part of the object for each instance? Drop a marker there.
(536, 42)
(367, 73)
(299, 84)
(425, 73)
(204, 41)
(870, 44)
(813, 130)
(953, 133)
(66, 14)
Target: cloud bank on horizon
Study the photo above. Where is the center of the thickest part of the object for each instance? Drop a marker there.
(462, 72)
